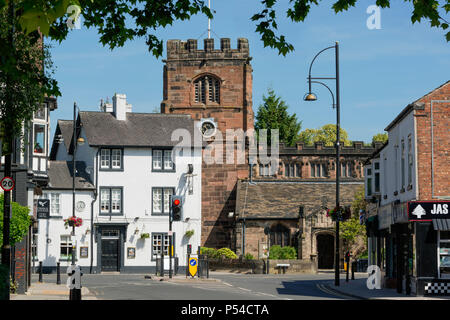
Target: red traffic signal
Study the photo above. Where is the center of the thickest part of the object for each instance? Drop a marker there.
(176, 208)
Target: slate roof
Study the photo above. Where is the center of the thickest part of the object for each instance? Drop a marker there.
(66, 128)
(282, 199)
(138, 130)
(60, 175)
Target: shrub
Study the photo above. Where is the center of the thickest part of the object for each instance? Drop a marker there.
(227, 253)
(249, 256)
(210, 252)
(20, 222)
(279, 253)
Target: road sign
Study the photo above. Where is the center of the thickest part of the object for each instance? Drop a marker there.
(193, 264)
(7, 183)
(43, 208)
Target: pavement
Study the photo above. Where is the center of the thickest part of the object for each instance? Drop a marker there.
(357, 289)
(50, 291)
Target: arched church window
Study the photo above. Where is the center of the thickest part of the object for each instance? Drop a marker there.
(279, 235)
(207, 89)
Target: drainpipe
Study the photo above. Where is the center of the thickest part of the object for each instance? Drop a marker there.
(243, 238)
(92, 211)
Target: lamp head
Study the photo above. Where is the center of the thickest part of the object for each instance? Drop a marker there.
(80, 141)
(310, 97)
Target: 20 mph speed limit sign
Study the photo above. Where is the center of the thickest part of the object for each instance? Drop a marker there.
(7, 183)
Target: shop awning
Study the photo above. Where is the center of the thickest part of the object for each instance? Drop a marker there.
(441, 224)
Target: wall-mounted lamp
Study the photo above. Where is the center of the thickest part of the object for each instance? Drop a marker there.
(136, 231)
(230, 215)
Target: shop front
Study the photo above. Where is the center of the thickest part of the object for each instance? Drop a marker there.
(432, 229)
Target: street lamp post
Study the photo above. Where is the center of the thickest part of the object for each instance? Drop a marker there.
(75, 293)
(312, 97)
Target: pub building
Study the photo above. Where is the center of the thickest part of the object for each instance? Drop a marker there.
(408, 192)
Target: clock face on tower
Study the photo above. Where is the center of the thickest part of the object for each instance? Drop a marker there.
(208, 129)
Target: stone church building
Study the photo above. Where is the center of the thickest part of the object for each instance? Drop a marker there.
(214, 86)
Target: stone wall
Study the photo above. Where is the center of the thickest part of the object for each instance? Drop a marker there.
(259, 266)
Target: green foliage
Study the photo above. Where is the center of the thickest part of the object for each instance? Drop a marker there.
(210, 252)
(145, 235)
(20, 222)
(220, 253)
(118, 22)
(380, 137)
(249, 256)
(351, 229)
(226, 253)
(364, 255)
(189, 233)
(25, 74)
(278, 253)
(325, 134)
(272, 114)
(298, 10)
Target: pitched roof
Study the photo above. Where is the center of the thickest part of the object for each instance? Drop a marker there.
(138, 130)
(60, 175)
(282, 199)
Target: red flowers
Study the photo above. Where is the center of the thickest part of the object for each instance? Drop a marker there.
(340, 213)
(73, 221)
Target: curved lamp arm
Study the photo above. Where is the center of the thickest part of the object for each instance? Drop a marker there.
(332, 95)
(310, 66)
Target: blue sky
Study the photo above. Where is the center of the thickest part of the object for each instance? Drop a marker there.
(381, 71)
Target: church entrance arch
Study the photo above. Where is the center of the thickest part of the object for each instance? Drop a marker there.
(325, 250)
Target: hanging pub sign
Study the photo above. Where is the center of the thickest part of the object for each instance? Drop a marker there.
(43, 208)
(428, 210)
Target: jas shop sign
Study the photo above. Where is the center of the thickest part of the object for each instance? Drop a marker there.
(428, 210)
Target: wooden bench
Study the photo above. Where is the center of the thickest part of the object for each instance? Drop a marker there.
(283, 266)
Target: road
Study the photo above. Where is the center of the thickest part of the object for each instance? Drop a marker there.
(227, 287)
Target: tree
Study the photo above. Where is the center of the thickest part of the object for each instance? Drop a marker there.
(325, 134)
(272, 114)
(299, 10)
(20, 222)
(380, 137)
(148, 15)
(351, 231)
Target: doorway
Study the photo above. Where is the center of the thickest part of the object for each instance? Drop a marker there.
(325, 248)
(110, 253)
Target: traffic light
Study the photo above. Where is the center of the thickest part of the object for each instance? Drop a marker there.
(176, 208)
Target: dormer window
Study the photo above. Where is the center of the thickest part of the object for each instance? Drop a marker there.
(207, 89)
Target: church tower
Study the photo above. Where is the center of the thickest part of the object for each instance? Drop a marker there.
(214, 86)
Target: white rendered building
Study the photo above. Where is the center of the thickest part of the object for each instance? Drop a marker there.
(127, 169)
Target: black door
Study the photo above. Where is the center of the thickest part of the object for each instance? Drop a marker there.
(110, 254)
(325, 248)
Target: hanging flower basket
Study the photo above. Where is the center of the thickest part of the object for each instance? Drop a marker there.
(339, 213)
(73, 221)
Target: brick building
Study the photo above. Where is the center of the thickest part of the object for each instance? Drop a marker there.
(292, 201)
(214, 86)
(412, 248)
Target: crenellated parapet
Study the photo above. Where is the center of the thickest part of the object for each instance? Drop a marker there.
(182, 50)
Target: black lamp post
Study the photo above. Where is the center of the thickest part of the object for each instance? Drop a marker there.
(312, 97)
(75, 294)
